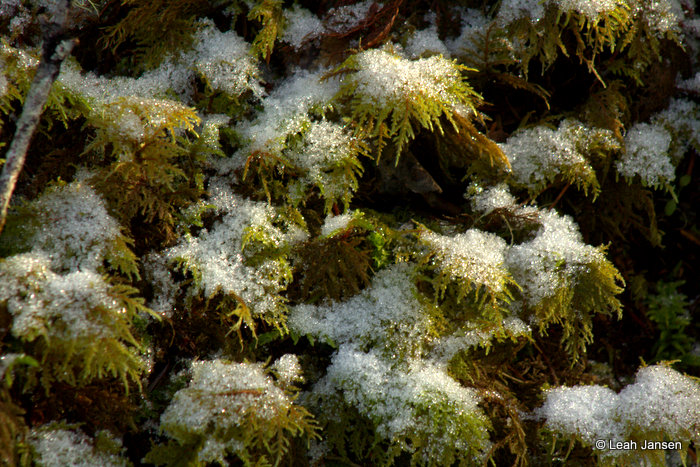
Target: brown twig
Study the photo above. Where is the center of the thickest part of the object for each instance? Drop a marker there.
(54, 50)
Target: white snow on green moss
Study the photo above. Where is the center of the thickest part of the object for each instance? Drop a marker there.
(221, 397)
(586, 411)
(58, 447)
(538, 155)
(327, 156)
(474, 256)
(223, 58)
(486, 200)
(302, 27)
(217, 255)
(449, 346)
(76, 231)
(286, 111)
(383, 77)
(426, 41)
(45, 303)
(333, 224)
(552, 259)
(646, 155)
(225, 61)
(387, 313)
(682, 120)
(287, 369)
(660, 402)
(420, 400)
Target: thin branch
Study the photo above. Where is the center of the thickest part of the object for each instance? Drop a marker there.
(54, 50)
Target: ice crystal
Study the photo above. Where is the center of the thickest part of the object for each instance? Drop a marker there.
(474, 256)
(220, 397)
(551, 259)
(76, 230)
(661, 400)
(58, 447)
(386, 313)
(646, 155)
(486, 200)
(45, 303)
(217, 254)
(682, 120)
(302, 26)
(538, 155)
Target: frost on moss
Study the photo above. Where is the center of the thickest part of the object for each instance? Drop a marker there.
(563, 280)
(391, 97)
(231, 409)
(387, 314)
(416, 407)
(56, 446)
(224, 259)
(77, 324)
(541, 156)
(646, 155)
(71, 225)
(660, 405)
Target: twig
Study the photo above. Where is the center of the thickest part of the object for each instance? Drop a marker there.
(54, 50)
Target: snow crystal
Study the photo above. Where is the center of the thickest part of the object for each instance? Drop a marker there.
(218, 257)
(425, 41)
(552, 258)
(660, 401)
(539, 154)
(396, 400)
(473, 256)
(347, 17)
(486, 200)
(302, 26)
(76, 230)
(218, 398)
(512, 10)
(646, 155)
(586, 411)
(449, 346)
(383, 77)
(42, 301)
(334, 224)
(287, 369)
(286, 111)
(59, 447)
(386, 311)
(473, 22)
